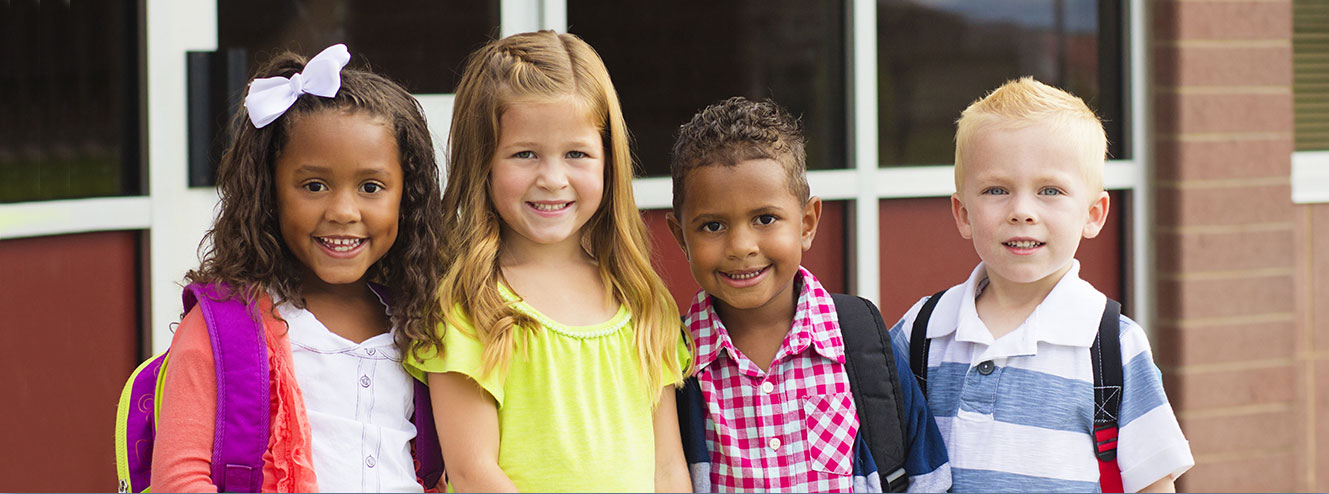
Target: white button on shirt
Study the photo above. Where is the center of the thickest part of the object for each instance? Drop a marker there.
(767, 387)
(359, 400)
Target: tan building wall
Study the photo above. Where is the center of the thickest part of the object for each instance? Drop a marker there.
(1240, 268)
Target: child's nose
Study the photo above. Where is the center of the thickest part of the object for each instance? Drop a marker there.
(742, 243)
(553, 175)
(1022, 210)
(342, 208)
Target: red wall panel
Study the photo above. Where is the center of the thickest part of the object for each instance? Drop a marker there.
(923, 253)
(71, 316)
(825, 259)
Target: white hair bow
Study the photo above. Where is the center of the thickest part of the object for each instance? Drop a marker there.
(270, 97)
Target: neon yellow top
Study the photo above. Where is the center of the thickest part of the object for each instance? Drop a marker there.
(572, 415)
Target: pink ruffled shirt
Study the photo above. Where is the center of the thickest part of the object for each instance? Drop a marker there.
(182, 455)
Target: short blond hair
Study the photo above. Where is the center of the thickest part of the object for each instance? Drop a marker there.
(1025, 102)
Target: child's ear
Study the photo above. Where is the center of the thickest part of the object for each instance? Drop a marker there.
(1098, 212)
(961, 214)
(811, 217)
(677, 229)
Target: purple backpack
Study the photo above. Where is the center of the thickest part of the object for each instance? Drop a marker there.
(241, 437)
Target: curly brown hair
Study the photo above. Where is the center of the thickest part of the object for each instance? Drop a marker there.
(244, 247)
(737, 130)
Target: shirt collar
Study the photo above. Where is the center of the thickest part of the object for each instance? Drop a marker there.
(815, 324)
(1069, 315)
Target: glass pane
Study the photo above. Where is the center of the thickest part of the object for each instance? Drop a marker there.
(418, 43)
(1310, 68)
(670, 59)
(934, 57)
(69, 100)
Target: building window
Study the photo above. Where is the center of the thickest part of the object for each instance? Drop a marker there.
(937, 56)
(421, 44)
(670, 59)
(69, 100)
(1310, 88)
(1310, 68)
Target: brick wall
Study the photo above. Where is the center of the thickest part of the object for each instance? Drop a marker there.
(1231, 252)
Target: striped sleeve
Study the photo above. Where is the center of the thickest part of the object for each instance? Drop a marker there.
(1151, 445)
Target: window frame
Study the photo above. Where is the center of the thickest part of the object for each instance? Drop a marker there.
(182, 214)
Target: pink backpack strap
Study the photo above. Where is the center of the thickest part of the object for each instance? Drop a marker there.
(241, 356)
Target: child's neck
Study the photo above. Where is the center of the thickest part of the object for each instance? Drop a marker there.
(1004, 305)
(351, 310)
(759, 332)
(560, 280)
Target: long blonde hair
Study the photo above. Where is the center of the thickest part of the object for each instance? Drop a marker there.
(544, 66)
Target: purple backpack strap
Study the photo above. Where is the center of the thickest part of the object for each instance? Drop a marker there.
(427, 450)
(241, 354)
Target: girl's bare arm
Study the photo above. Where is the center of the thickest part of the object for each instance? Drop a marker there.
(671, 469)
(467, 420)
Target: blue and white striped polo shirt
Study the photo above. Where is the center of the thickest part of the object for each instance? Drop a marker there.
(1026, 425)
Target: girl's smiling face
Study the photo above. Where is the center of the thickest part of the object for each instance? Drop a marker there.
(339, 186)
(546, 178)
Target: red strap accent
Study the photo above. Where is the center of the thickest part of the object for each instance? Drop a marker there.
(1109, 474)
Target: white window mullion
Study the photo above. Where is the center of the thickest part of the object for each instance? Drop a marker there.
(41, 218)
(519, 16)
(863, 108)
(1141, 248)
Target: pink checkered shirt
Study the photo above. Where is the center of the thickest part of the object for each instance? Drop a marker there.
(791, 428)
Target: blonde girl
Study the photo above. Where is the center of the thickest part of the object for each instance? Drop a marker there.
(554, 370)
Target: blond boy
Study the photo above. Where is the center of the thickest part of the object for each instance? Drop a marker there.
(1009, 370)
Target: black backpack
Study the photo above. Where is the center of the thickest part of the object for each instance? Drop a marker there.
(1106, 358)
(870, 366)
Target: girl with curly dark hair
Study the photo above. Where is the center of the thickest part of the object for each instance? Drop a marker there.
(329, 228)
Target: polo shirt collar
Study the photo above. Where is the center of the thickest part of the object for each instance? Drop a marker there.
(1069, 315)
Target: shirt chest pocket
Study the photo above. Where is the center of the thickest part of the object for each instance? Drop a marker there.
(829, 427)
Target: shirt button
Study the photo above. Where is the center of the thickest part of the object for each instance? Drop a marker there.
(370, 351)
(986, 367)
(369, 461)
(767, 387)
(774, 443)
(364, 381)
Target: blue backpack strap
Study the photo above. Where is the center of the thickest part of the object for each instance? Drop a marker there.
(919, 342)
(869, 362)
(1106, 357)
(240, 352)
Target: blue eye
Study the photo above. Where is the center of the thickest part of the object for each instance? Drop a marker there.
(994, 191)
(766, 219)
(576, 155)
(1050, 191)
(711, 226)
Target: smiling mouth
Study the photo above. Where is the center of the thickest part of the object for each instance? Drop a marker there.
(1023, 244)
(341, 244)
(549, 206)
(744, 275)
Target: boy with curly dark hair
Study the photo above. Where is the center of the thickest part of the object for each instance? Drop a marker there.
(794, 390)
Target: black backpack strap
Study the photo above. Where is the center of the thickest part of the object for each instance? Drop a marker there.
(1106, 357)
(919, 342)
(870, 365)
